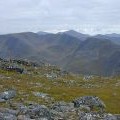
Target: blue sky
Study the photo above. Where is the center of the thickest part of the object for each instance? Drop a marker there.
(86, 16)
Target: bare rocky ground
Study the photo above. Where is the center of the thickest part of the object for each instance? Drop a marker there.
(79, 109)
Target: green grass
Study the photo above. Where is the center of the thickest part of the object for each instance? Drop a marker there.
(62, 89)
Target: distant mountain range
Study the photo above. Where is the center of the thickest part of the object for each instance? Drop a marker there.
(71, 50)
(113, 37)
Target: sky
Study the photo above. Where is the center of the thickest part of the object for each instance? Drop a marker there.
(85, 16)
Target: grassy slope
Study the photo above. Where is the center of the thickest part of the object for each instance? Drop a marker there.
(64, 88)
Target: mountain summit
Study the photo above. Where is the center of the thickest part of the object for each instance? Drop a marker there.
(76, 34)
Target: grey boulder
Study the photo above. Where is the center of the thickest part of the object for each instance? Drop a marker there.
(7, 95)
(90, 101)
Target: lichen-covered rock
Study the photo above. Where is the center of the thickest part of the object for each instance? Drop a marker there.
(10, 111)
(86, 116)
(2, 100)
(62, 106)
(110, 117)
(96, 116)
(8, 114)
(7, 95)
(63, 111)
(42, 95)
(36, 111)
(79, 110)
(22, 117)
(90, 101)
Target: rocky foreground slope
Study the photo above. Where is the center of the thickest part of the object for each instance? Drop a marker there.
(40, 91)
(83, 108)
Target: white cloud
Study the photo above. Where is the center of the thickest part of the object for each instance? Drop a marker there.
(90, 16)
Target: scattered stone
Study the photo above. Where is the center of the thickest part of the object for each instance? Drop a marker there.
(42, 95)
(51, 75)
(88, 77)
(7, 95)
(36, 111)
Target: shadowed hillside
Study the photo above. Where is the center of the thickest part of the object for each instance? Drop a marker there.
(72, 51)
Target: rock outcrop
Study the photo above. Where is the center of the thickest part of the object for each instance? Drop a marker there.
(79, 109)
(89, 101)
(41, 112)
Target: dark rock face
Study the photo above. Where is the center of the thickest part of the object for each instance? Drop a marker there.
(7, 95)
(26, 63)
(90, 101)
(13, 68)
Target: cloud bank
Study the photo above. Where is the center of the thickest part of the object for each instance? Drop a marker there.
(88, 16)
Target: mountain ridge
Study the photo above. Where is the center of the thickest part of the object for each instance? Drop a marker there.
(88, 56)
